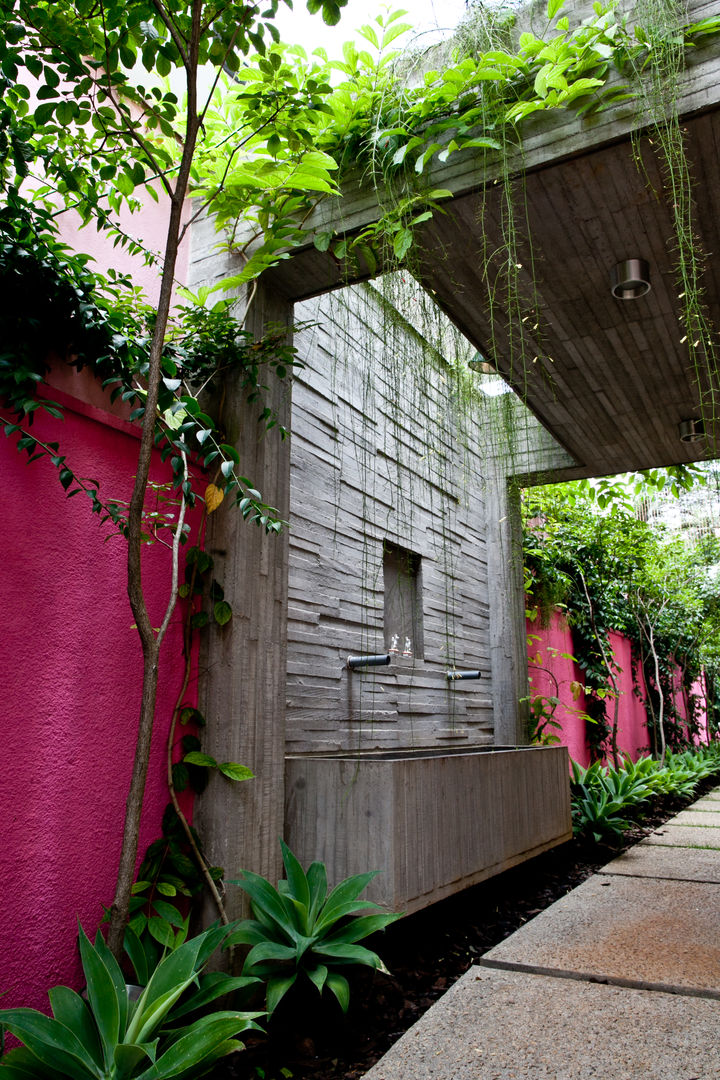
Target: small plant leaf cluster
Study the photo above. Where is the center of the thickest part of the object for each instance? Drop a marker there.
(603, 795)
(108, 1036)
(299, 929)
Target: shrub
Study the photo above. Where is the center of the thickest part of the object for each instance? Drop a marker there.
(300, 930)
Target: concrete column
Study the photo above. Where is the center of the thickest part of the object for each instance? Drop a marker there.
(508, 652)
(243, 664)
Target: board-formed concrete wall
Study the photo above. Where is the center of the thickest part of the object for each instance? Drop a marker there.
(380, 454)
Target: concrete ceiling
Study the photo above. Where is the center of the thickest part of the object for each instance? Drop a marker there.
(612, 379)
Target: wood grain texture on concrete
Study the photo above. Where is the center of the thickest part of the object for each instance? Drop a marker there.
(381, 454)
(242, 692)
(630, 931)
(431, 822)
(506, 1025)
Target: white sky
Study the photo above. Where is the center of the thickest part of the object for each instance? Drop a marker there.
(298, 27)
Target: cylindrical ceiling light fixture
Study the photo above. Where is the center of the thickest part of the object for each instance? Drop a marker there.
(630, 279)
(691, 430)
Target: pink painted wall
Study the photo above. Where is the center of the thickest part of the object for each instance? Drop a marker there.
(71, 697)
(551, 647)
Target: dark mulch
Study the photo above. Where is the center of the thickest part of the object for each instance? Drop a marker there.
(426, 952)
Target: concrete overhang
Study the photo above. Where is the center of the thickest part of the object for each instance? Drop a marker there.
(613, 379)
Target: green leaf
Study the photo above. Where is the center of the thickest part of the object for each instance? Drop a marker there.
(234, 771)
(340, 987)
(402, 242)
(51, 1042)
(70, 1009)
(212, 986)
(161, 931)
(322, 240)
(196, 758)
(222, 612)
(102, 995)
(168, 912)
(318, 977)
(276, 989)
(198, 1043)
(136, 953)
(296, 878)
(553, 7)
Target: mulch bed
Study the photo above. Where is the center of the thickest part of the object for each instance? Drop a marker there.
(425, 952)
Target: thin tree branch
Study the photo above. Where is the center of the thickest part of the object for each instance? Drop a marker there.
(178, 40)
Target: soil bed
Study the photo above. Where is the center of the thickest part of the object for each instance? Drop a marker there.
(425, 952)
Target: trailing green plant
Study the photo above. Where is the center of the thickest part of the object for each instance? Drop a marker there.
(663, 32)
(109, 1036)
(302, 930)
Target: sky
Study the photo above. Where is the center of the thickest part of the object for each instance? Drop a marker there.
(429, 17)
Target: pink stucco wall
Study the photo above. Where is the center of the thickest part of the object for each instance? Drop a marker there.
(551, 648)
(148, 226)
(71, 696)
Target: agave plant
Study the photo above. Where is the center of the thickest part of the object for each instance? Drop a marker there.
(299, 929)
(109, 1037)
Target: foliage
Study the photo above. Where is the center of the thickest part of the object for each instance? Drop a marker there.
(56, 305)
(608, 569)
(167, 879)
(110, 1037)
(300, 929)
(601, 795)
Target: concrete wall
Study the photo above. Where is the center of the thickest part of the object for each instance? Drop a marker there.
(379, 454)
(71, 696)
(432, 822)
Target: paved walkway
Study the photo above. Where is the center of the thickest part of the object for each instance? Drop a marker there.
(618, 980)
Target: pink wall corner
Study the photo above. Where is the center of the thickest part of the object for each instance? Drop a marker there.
(71, 701)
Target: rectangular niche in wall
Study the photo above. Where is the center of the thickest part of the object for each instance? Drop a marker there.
(402, 580)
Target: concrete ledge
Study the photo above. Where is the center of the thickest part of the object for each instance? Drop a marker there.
(499, 1025)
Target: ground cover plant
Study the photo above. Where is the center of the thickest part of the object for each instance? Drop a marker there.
(302, 929)
(604, 796)
(110, 1036)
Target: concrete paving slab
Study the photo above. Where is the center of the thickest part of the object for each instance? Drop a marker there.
(690, 836)
(633, 931)
(703, 818)
(711, 797)
(680, 864)
(503, 1025)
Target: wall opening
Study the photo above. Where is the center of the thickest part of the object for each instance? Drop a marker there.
(402, 580)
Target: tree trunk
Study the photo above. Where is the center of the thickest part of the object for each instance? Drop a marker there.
(119, 911)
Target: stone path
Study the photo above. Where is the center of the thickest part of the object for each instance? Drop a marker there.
(618, 980)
